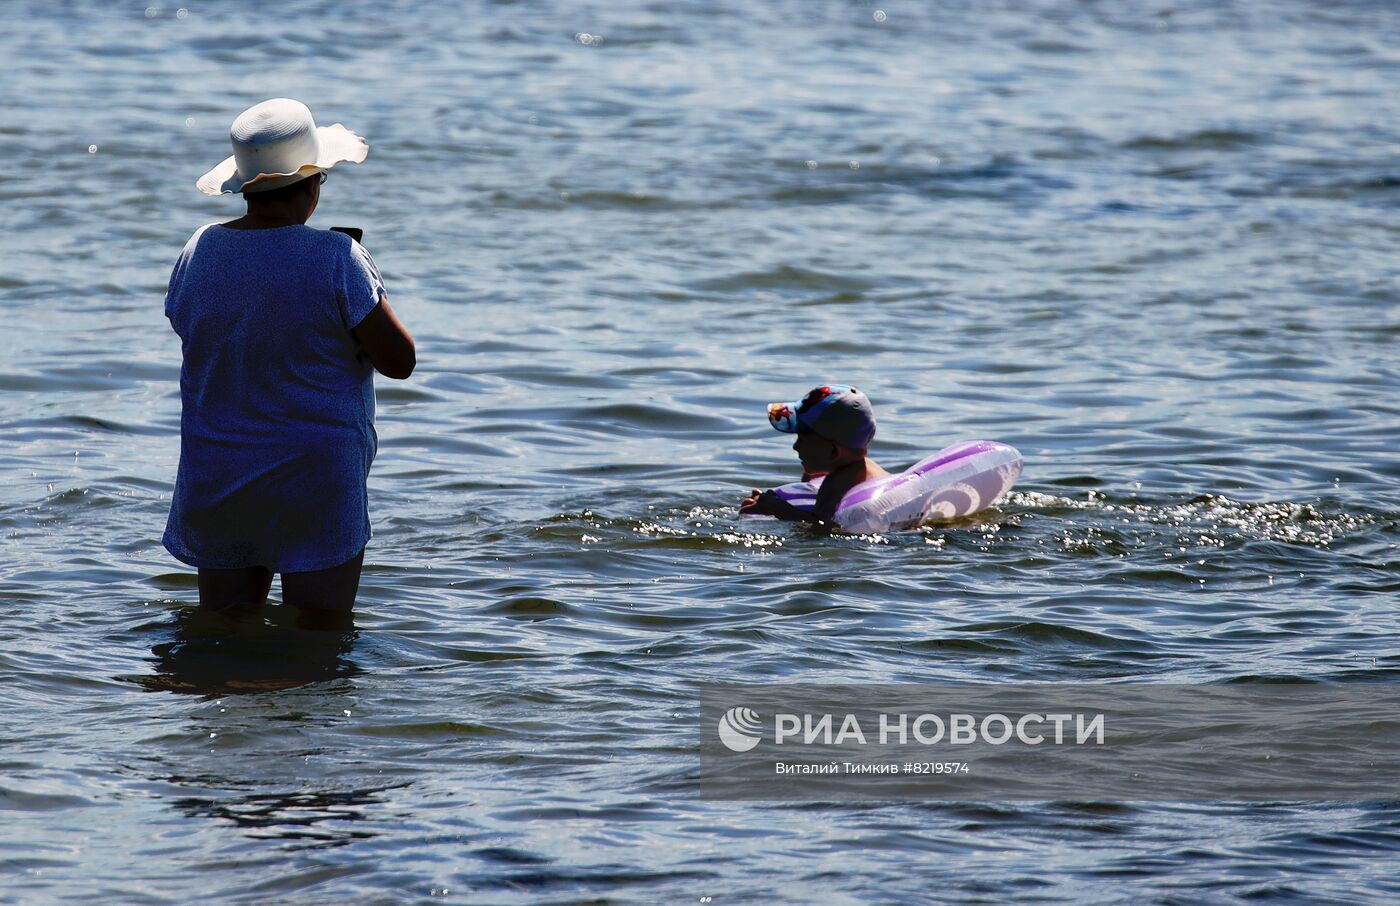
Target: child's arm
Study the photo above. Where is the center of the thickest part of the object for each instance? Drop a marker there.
(834, 487)
(767, 503)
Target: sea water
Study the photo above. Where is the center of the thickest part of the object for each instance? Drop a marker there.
(1152, 246)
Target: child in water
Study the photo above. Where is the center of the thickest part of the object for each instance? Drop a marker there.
(834, 425)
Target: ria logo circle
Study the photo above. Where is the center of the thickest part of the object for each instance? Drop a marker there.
(740, 729)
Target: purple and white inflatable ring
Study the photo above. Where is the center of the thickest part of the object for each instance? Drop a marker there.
(956, 481)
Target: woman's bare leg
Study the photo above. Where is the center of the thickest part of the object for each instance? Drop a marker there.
(234, 592)
(325, 598)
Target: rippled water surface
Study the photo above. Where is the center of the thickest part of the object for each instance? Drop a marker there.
(1152, 246)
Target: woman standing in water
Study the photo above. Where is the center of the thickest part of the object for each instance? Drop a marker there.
(282, 327)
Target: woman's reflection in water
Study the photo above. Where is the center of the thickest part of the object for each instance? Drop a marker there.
(211, 654)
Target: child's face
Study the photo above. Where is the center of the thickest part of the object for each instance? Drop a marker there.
(817, 454)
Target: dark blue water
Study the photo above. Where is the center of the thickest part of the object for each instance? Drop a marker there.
(1150, 246)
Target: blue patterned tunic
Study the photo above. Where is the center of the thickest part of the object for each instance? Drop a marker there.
(277, 418)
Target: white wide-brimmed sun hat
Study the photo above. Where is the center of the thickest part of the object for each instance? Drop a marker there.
(276, 143)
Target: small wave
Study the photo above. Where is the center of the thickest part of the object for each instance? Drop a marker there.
(1212, 519)
(1053, 46)
(1204, 139)
(786, 276)
(531, 608)
(1041, 634)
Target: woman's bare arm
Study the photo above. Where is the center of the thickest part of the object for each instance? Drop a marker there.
(386, 342)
